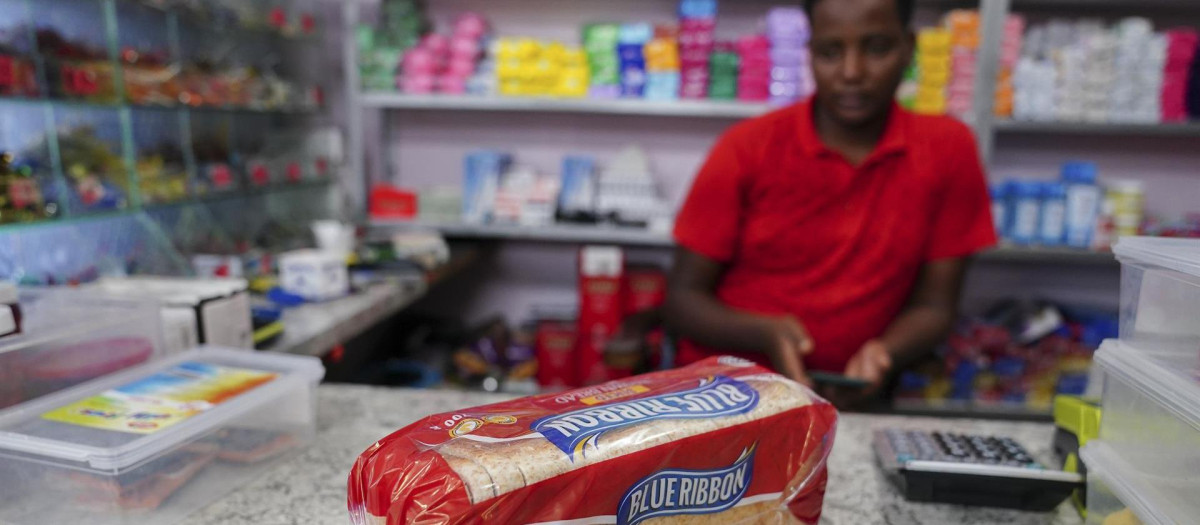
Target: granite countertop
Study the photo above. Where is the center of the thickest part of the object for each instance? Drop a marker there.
(311, 488)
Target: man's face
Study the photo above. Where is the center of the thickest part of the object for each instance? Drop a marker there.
(860, 49)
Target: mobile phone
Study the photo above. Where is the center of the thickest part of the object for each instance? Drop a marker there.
(826, 378)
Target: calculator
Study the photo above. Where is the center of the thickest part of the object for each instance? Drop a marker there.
(985, 471)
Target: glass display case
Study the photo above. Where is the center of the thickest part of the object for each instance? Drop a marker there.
(177, 120)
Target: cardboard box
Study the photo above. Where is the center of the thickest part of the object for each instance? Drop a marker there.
(194, 311)
(601, 309)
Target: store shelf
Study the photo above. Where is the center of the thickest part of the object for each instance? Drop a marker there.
(1039, 255)
(314, 329)
(969, 409)
(582, 234)
(1191, 129)
(562, 233)
(204, 20)
(156, 107)
(676, 108)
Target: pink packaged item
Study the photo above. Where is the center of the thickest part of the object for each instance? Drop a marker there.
(471, 26)
(417, 84)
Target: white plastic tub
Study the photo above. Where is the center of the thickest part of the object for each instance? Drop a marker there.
(109, 451)
(1160, 293)
(1152, 418)
(68, 338)
(1119, 494)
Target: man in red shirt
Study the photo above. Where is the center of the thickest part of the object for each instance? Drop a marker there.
(833, 234)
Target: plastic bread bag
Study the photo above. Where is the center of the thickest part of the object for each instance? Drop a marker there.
(720, 441)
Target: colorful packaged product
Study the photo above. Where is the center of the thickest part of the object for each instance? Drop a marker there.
(720, 441)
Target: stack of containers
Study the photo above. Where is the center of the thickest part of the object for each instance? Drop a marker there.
(791, 68)
(723, 72)
(1140, 61)
(1100, 71)
(662, 65)
(631, 43)
(1181, 52)
(754, 68)
(933, 71)
(697, 38)
(600, 44)
(1034, 79)
(1010, 55)
(1143, 466)
(424, 65)
(964, 41)
(574, 77)
(466, 47)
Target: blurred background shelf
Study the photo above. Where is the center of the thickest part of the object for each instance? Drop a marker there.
(638, 237)
(673, 108)
(1190, 129)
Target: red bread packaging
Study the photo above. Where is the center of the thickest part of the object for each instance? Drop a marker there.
(720, 441)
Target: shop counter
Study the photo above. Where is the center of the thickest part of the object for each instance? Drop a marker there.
(311, 487)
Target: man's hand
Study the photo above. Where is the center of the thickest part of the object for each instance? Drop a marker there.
(788, 343)
(872, 364)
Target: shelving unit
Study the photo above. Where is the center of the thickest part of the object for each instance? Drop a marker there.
(636, 237)
(211, 157)
(1010, 127)
(647, 108)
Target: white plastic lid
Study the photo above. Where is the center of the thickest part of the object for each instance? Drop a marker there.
(24, 433)
(1130, 486)
(1171, 380)
(1181, 255)
(8, 293)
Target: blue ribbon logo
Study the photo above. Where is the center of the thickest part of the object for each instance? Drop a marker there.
(716, 396)
(675, 492)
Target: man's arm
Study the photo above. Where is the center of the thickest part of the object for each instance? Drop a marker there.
(694, 312)
(925, 321)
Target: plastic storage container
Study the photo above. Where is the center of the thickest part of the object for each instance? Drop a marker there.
(154, 443)
(1152, 419)
(1118, 494)
(68, 339)
(1160, 294)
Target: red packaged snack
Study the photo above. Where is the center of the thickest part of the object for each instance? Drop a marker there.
(720, 441)
(601, 310)
(555, 349)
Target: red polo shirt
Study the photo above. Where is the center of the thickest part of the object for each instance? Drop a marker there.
(803, 232)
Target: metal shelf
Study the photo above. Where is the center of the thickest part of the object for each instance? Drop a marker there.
(1040, 255)
(634, 237)
(652, 108)
(1190, 129)
(561, 233)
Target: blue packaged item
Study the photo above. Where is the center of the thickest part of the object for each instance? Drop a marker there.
(639, 34)
(633, 70)
(1083, 203)
(691, 9)
(578, 193)
(1026, 209)
(1054, 214)
(662, 86)
(999, 193)
(481, 181)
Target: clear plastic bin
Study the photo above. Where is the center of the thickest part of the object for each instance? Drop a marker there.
(1152, 418)
(157, 442)
(1118, 494)
(1160, 293)
(68, 338)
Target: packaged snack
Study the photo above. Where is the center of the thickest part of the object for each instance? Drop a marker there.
(720, 441)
